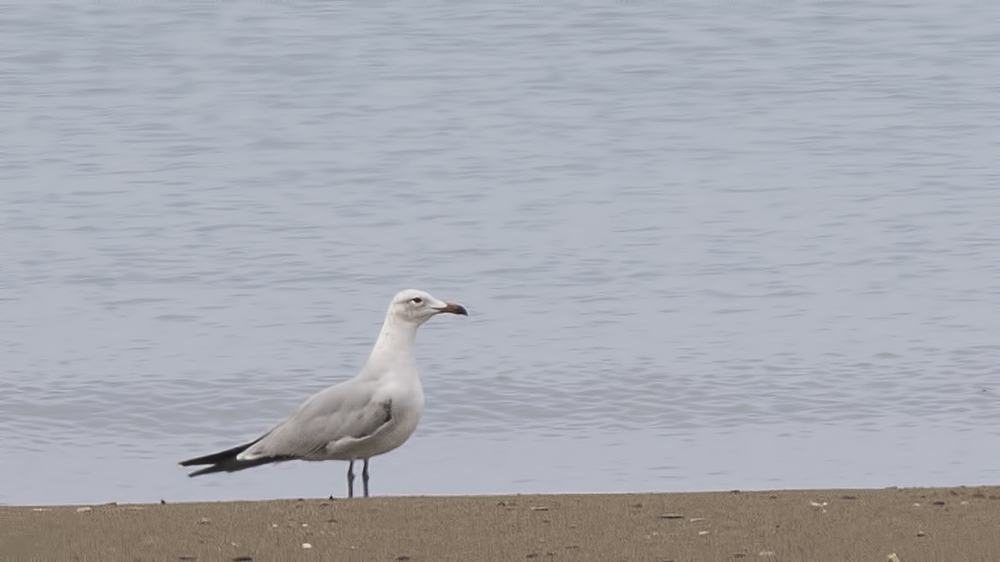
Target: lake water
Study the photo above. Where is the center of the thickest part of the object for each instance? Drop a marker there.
(704, 246)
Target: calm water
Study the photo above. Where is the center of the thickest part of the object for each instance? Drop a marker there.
(705, 246)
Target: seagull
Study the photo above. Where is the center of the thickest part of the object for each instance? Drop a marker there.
(371, 414)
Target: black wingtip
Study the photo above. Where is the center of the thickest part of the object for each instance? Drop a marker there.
(222, 457)
(226, 461)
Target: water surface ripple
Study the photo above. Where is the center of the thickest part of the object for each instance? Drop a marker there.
(704, 246)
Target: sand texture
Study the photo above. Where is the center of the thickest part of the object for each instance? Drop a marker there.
(914, 524)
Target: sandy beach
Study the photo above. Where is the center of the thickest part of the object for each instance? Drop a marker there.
(914, 524)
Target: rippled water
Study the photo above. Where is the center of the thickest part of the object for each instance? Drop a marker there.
(704, 246)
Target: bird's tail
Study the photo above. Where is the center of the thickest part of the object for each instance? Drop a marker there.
(226, 461)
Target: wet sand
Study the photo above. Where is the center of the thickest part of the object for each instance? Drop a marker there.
(914, 524)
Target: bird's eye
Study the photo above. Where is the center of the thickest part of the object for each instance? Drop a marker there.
(416, 300)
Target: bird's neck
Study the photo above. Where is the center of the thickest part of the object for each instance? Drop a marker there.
(394, 347)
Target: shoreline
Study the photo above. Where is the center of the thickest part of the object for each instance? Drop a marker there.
(915, 524)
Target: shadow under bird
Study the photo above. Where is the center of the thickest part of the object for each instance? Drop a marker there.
(371, 414)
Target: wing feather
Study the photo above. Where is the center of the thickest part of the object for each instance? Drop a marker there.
(347, 412)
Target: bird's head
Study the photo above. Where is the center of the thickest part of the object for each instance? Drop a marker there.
(418, 306)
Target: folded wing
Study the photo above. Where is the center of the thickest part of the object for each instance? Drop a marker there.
(328, 426)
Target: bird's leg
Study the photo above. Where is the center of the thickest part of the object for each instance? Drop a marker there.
(364, 477)
(350, 480)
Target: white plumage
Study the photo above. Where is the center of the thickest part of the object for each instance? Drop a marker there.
(371, 414)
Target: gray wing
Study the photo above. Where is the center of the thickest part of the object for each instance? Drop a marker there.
(344, 413)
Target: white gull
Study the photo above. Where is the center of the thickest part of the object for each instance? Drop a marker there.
(371, 414)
